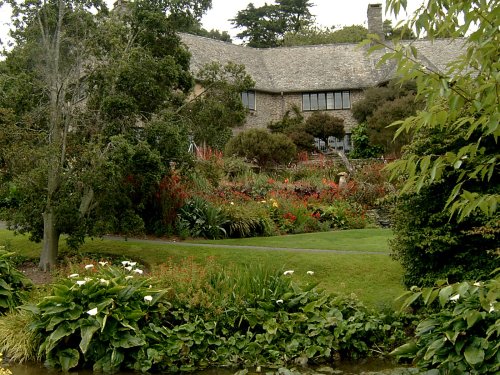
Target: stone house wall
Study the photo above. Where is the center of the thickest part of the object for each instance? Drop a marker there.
(272, 107)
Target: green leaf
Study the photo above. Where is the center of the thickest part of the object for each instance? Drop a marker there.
(68, 358)
(434, 347)
(474, 355)
(87, 333)
(473, 317)
(406, 350)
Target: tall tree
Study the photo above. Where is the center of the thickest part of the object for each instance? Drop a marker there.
(218, 108)
(76, 80)
(265, 26)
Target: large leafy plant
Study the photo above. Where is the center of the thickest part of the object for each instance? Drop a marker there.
(13, 284)
(97, 318)
(463, 335)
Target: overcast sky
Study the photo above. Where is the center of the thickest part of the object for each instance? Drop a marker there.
(327, 12)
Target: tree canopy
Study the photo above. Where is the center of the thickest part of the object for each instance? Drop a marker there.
(266, 25)
(447, 222)
(313, 35)
(462, 100)
(90, 104)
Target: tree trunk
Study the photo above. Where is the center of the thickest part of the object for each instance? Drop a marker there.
(48, 257)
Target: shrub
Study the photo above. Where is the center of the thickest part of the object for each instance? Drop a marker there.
(343, 214)
(247, 221)
(202, 219)
(432, 246)
(100, 319)
(463, 336)
(13, 284)
(322, 125)
(265, 148)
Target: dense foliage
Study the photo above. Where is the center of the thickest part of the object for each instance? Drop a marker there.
(264, 148)
(266, 25)
(93, 110)
(461, 98)
(463, 335)
(13, 284)
(313, 35)
(431, 246)
(322, 125)
(378, 109)
(109, 318)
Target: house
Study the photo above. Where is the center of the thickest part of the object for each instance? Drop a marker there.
(314, 78)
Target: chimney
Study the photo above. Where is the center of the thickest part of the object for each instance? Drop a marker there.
(375, 23)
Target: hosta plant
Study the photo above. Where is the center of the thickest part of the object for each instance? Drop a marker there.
(463, 335)
(13, 283)
(97, 318)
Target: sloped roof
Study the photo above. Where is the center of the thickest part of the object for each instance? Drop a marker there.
(342, 66)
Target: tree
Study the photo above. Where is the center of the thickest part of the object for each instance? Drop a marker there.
(449, 200)
(293, 126)
(398, 33)
(265, 26)
(379, 108)
(213, 113)
(314, 35)
(129, 67)
(323, 126)
(463, 98)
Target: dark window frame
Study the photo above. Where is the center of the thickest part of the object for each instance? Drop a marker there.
(326, 101)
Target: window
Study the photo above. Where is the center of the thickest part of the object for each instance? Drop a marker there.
(248, 99)
(321, 101)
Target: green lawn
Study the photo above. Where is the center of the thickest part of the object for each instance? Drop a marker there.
(374, 278)
(345, 240)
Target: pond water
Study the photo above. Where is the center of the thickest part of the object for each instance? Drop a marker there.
(371, 367)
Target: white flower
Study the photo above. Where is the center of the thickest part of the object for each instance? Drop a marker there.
(310, 273)
(279, 301)
(93, 311)
(125, 262)
(87, 279)
(80, 282)
(103, 263)
(289, 272)
(132, 264)
(231, 203)
(455, 297)
(137, 270)
(148, 298)
(492, 308)
(129, 268)
(477, 283)
(73, 275)
(104, 281)
(89, 266)
(129, 277)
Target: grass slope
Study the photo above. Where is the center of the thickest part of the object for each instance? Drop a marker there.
(345, 240)
(374, 278)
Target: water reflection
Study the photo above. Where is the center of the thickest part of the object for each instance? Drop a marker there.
(359, 367)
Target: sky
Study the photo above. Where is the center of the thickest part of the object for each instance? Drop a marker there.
(327, 12)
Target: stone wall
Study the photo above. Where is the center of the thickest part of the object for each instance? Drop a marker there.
(272, 107)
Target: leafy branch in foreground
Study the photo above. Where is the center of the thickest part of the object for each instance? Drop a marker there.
(462, 103)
